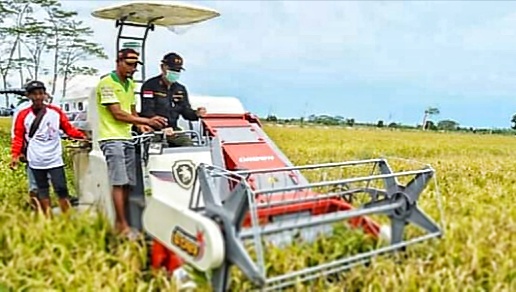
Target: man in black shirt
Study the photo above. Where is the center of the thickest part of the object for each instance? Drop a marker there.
(163, 96)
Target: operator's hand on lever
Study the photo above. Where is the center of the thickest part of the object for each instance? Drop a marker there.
(158, 122)
(168, 131)
(145, 129)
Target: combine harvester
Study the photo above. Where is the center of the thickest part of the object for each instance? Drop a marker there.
(235, 190)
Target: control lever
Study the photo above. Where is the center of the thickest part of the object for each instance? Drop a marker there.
(162, 136)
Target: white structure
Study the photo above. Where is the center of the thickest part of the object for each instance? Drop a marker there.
(77, 93)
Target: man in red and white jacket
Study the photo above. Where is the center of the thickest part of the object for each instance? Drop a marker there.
(33, 187)
(44, 150)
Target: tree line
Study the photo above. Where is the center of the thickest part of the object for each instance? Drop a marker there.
(429, 125)
(328, 120)
(42, 39)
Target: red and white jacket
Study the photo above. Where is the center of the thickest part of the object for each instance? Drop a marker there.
(44, 150)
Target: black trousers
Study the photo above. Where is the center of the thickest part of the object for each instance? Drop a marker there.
(58, 179)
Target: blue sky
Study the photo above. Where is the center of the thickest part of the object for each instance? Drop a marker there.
(365, 60)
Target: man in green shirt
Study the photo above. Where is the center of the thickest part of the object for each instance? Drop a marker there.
(116, 112)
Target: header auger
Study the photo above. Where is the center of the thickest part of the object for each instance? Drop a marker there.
(234, 199)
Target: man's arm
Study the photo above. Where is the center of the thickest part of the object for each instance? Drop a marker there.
(188, 113)
(69, 130)
(18, 138)
(125, 117)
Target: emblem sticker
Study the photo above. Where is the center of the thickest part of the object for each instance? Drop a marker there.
(183, 172)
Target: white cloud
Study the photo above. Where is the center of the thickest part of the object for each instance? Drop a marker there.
(449, 46)
(256, 33)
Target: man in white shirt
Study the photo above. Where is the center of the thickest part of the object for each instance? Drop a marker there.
(43, 144)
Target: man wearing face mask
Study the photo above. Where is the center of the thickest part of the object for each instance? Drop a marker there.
(163, 96)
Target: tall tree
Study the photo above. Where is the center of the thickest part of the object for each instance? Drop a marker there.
(513, 122)
(58, 19)
(35, 44)
(75, 48)
(16, 11)
(35, 41)
(430, 111)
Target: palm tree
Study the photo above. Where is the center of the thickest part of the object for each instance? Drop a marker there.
(430, 111)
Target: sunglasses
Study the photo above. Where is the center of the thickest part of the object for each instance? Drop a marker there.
(131, 64)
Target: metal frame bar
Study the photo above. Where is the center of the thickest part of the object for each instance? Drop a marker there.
(342, 264)
(343, 181)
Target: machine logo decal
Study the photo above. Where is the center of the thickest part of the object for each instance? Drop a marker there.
(183, 172)
(191, 244)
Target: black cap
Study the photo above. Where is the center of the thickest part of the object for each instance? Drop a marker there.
(33, 85)
(129, 55)
(173, 61)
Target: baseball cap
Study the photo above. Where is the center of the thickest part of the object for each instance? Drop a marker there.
(33, 85)
(129, 55)
(173, 61)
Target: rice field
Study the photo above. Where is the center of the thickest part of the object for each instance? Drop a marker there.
(477, 181)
